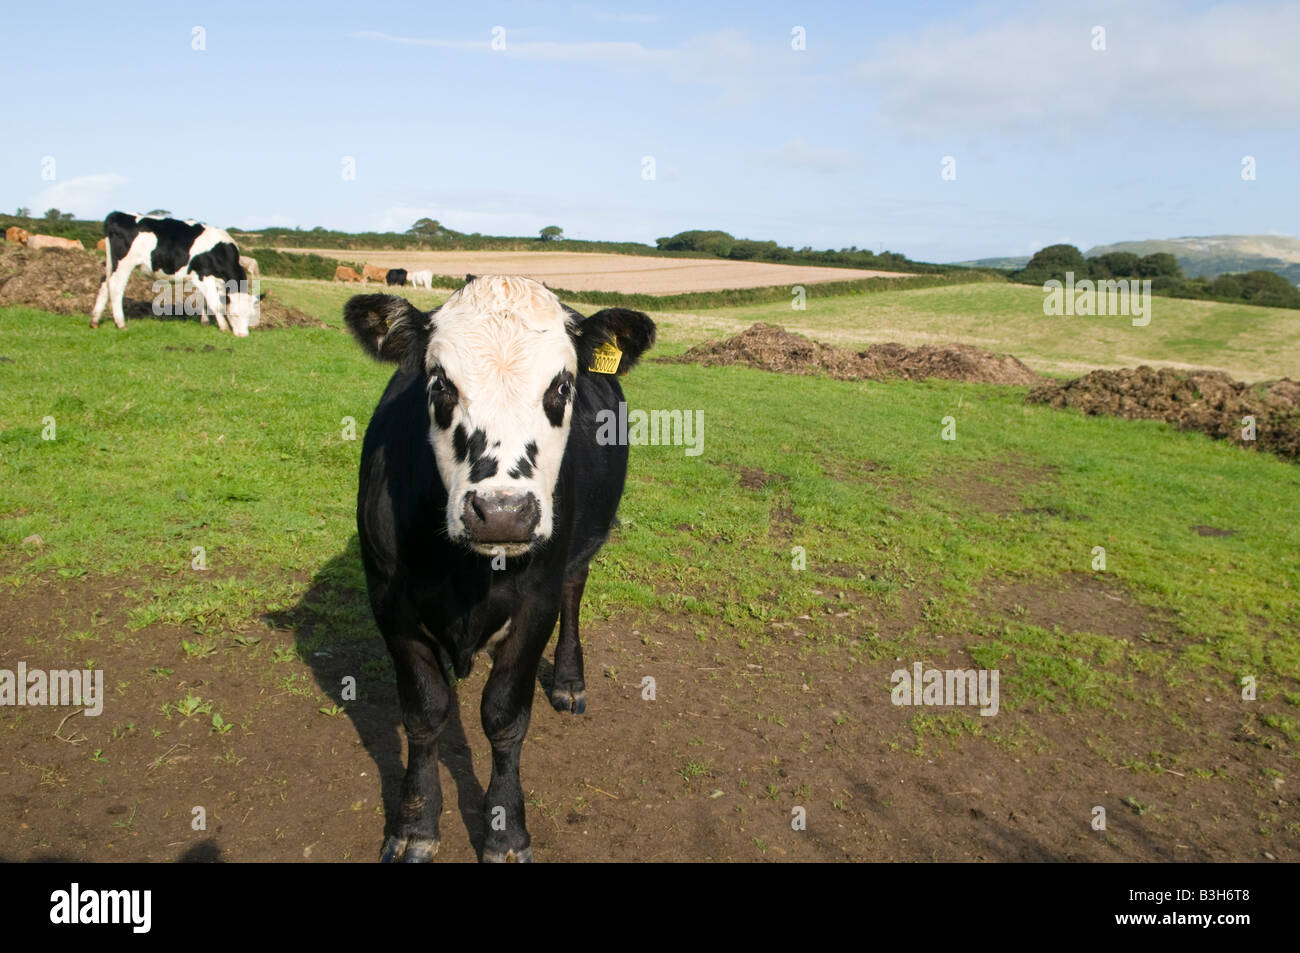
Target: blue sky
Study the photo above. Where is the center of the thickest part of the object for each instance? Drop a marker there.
(838, 144)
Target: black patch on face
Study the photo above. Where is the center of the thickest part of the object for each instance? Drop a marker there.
(461, 443)
(483, 468)
(531, 449)
(557, 398)
(443, 398)
(523, 468)
(476, 445)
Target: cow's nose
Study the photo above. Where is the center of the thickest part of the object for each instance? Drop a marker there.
(500, 517)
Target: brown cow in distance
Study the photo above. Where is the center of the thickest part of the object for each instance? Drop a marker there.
(344, 273)
(49, 241)
(101, 244)
(374, 273)
(18, 236)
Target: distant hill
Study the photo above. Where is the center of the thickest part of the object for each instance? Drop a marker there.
(1013, 263)
(1212, 255)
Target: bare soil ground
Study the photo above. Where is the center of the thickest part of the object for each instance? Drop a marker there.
(770, 347)
(737, 736)
(1208, 401)
(628, 274)
(67, 281)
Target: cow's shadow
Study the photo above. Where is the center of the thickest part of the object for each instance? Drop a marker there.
(336, 636)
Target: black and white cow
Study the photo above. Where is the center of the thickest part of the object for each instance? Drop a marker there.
(205, 256)
(396, 277)
(484, 494)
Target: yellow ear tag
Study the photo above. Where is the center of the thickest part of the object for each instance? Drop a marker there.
(605, 359)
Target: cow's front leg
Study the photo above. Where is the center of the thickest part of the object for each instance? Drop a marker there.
(506, 709)
(426, 702)
(569, 690)
(213, 300)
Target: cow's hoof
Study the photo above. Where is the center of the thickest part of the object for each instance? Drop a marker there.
(524, 856)
(408, 850)
(569, 697)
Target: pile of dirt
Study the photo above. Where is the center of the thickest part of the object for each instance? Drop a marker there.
(770, 347)
(66, 281)
(1208, 401)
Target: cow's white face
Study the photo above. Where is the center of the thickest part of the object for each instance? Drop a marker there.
(241, 312)
(501, 359)
(502, 368)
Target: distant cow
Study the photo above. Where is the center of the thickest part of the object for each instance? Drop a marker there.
(101, 244)
(201, 254)
(344, 273)
(19, 236)
(49, 241)
(374, 273)
(395, 277)
(251, 267)
(486, 489)
(421, 279)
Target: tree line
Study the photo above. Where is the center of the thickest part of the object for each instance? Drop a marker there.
(1261, 287)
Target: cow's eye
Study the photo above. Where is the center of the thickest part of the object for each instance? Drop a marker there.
(564, 389)
(439, 386)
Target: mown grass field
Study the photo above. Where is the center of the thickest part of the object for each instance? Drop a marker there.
(1119, 688)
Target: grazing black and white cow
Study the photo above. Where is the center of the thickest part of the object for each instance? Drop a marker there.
(396, 276)
(484, 494)
(201, 254)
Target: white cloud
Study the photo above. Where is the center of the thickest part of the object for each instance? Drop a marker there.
(725, 60)
(1229, 67)
(798, 154)
(89, 196)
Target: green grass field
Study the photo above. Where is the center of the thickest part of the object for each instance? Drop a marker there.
(169, 437)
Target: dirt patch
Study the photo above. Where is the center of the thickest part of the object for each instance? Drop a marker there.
(784, 519)
(994, 487)
(1208, 401)
(67, 281)
(752, 478)
(1078, 602)
(770, 347)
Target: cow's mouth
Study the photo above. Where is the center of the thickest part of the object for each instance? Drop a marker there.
(509, 550)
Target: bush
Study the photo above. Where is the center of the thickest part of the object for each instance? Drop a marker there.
(1059, 258)
(1116, 264)
(1161, 264)
(711, 243)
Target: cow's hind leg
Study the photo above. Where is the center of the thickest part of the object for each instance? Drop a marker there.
(569, 690)
(506, 709)
(426, 702)
(101, 302)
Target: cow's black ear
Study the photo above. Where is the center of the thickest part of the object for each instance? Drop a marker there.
(389, 328)
(632, 332)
